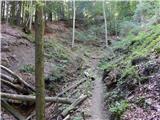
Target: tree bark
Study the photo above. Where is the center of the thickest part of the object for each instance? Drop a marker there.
(39, 62)
(74, 15)
(33, 98)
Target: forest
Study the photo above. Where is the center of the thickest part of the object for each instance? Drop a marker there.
(80, 60)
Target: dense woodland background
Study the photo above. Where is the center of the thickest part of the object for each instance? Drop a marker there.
(80, 60)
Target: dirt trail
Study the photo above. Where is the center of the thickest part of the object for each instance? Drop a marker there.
(97, 105)
(97, 108)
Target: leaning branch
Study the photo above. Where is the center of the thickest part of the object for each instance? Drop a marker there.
(8, 83)
(17, 77)
(6, 77)
(71, 87)
(73, 105)
(32, 98)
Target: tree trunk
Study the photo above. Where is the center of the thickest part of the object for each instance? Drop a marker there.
(23, 12)
(50, 16)
(13, 9)
(74, 12)
(39, 62)
(141, 14)
(105, 23)
(7, 15)
(18, 18)
(30, 17)
(2, 10)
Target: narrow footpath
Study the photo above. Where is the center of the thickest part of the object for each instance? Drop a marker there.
(97, 108)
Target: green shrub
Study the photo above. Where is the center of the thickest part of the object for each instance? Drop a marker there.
(119, 107)
(28, 69)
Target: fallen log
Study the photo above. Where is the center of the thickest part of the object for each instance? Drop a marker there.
(32, 98)
(11, 110)
(73, 105)
(6, 77)
(60, 94)
(17, 87)
(17, 77)
(71, 87)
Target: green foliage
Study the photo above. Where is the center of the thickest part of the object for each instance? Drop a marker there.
(127, 26)
(78, 118)
(56, 76)
(28, 69)
(90, 34)
(57, 51)
(147, 9)
(133, 46)
(119, 107)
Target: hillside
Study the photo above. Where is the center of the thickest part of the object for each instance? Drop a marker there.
(132, 76)
(80, 60)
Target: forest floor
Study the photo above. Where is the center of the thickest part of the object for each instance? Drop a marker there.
(18, 55)
(109, 81)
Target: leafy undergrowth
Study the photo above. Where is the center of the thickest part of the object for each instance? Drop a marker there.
(134, 66)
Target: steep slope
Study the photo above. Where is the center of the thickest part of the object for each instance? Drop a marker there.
(133, 76)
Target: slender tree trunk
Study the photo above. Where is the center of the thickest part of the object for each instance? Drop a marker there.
(30, 17)
(2, 10)
(7, 9)
(23, 12)
(105, 22)
(13, 9)
(50, 16)
(157, 12)
(39, 62)
(141, 14)
(19, 13)
(74, 15)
